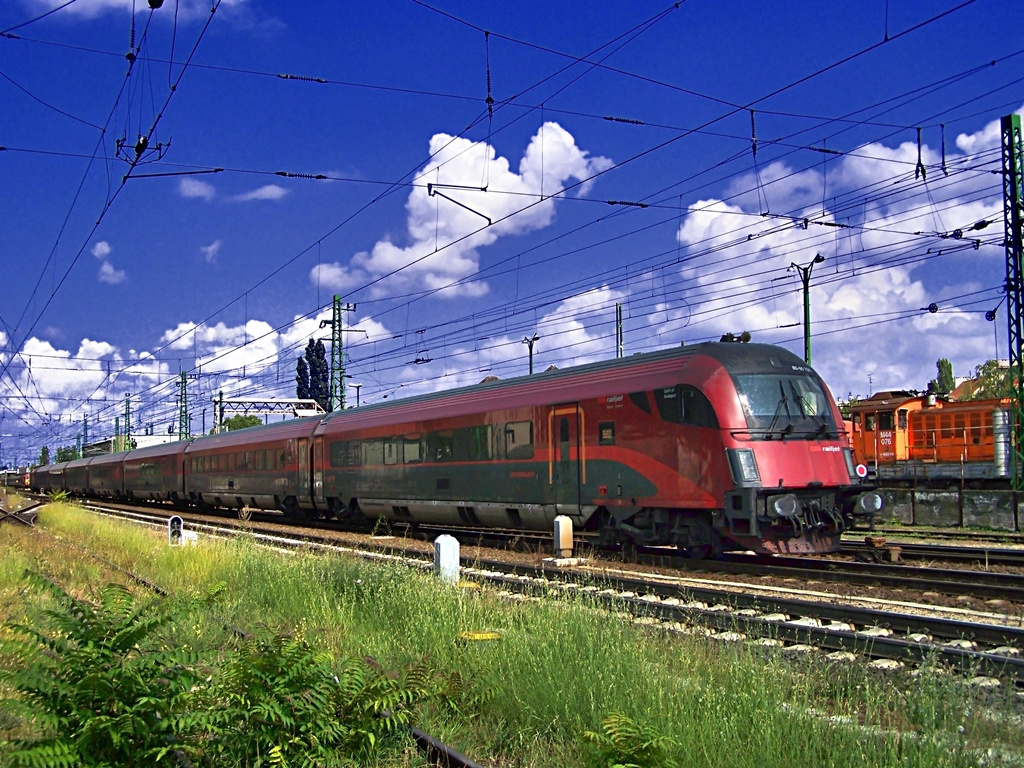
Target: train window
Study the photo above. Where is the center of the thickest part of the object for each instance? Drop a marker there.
(696, 408)
(413, 449)
(684, 404)
(355, 455)
(930, 426)
(441, 445)
(245, 460)
(902, 418)
(280, 460)
(885, 420)
(231, 462)
(606, 433)
(192, 465)
(519, 440)
(959, 425)
(639, 399)
(869, 422)
(856, 418)
(259, 459)
(392, 450)
(976, 428)
(339, 454)
(947, 426)
(668, 404)
(472, 444)
(373, 452)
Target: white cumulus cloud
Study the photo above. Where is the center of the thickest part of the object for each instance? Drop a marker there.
(195, 188)
(110, 275)
(210, 251)
(447, 224)
(101, 250)
(267, 192)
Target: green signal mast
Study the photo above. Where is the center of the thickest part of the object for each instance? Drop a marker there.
(1013, 227)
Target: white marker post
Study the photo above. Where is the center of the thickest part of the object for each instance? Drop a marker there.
(446, 558)
(563, 536)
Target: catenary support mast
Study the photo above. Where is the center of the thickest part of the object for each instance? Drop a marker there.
(1013, 225)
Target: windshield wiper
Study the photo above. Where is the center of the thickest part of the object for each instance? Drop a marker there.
(822, 429)
(783, 403)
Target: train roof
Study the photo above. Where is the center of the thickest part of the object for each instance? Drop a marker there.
(737, 358)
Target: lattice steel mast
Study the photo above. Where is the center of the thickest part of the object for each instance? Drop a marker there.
(1013, 225)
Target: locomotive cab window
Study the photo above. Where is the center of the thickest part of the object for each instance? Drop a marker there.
(885, 420)
(788, 406)
(519, 440)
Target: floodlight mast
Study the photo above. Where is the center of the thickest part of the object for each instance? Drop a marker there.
(805, 278)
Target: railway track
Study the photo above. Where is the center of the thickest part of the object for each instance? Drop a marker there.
(923, 532)
(986, 556)
(954, 583)
(767, 615)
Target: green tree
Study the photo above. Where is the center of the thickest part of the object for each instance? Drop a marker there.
(240, 421)
(944, 383)
(302, 379)
(991, 382)
(313, 374)
(68, 453)
(44, 456)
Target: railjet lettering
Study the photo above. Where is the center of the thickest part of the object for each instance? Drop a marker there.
(614, 399)
(831, 449)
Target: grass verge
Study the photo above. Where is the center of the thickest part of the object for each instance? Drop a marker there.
(562, 669)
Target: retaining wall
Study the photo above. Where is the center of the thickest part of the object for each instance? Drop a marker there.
(967, 508)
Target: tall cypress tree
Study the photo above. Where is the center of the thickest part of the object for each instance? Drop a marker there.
(319, 374)
(302, 379)
(313, 375)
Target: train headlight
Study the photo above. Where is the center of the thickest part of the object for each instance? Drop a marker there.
(870, 503)
(744, 466)
(786, 506)
(851, 469)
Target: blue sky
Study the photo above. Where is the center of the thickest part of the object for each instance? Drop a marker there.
(617, 164)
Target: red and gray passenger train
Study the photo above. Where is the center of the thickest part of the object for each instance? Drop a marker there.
(705, 448)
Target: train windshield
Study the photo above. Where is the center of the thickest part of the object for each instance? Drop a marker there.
(787, 406)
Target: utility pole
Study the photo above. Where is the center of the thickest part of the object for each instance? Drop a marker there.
(618, 330)
(805, 278)
(127, 421)
(219, 412)
(1013, 228)
(336, 399)
(530, 342)
(183, 406)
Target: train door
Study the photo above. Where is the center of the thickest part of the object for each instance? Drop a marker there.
(566, 466)
(304, 472)
(318, 473)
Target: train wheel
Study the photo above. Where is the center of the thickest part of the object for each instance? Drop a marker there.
(628, 550)
(710, 551)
